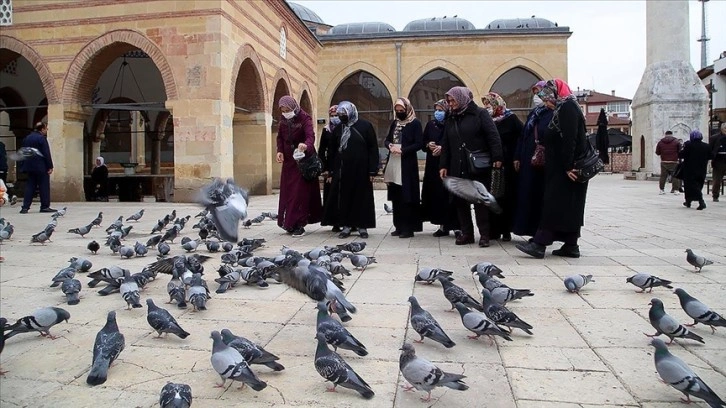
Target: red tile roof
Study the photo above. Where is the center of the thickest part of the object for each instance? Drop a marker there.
(597, 97)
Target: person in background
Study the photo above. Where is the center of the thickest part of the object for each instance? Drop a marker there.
(695, 155)
(668, 148)
(404, 140)
(99, 178)
(326, 155)
(718, 162)
(38, 169)
(299, 203)
(3, 163)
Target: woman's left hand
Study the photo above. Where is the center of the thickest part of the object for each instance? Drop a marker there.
(436, 151)
(302, 147)
(572, 174)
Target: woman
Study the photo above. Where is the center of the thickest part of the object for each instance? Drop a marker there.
(299, 203)
(99, 178)
(695, 154)
(510, 128)
(355, 163)
(563, 209)
(404, 140)
(469, 128)
(436, 202)
(530, 183)
(326, 155)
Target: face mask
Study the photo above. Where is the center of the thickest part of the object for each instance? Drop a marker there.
(335, 121)
(401, 115)
(439, 115)
(343, 119)
(537, 100)
(490, 110)
(288, 115)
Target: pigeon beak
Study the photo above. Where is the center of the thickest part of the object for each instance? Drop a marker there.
(650, 303)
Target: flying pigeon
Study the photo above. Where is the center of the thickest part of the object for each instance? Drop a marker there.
(472, 191)
(430, 275)
(699, 312)
(227, 204)
(253, 353)
(455, 294)
(71, 288)
(502, 316)
(479, 324)
(175, 395)
(574, 283)
(230, 364)
(666, 324)
(426, 326)
(387, 208)
(645, 281)
(697, 261)
(423, 375)
(41, 321)
(487, 268)
(313, 281)
(333, 368)
(24, 153)
(136, 216)
(335, 334)
(81, 230)
(107, 347)
(162, 321)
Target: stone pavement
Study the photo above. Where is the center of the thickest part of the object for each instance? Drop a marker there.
(588, 350)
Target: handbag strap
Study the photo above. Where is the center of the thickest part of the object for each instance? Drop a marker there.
(536, 134)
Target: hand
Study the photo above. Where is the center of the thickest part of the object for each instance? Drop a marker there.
(279, 157)
(372, 178)
(431, 146)
(50, 171)
(442, 173)
(328, 180)
(516, 165)
(302, 147)
(572, 174)
(436, 151)
(497, 164)
(395, 149)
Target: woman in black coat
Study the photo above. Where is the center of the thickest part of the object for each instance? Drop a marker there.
(404, 140)
(326, 155)
(563, 209)
(695, 154)
(99, 178)
(469, 128)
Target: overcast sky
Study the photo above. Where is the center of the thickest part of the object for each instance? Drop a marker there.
(606, 50)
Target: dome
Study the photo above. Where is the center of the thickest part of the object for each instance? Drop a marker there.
(361, 28)
(305, 14)
(439, 24)
(521, 23)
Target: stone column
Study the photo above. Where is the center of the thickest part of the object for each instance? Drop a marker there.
(65, 136)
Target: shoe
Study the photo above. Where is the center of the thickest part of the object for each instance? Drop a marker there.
(701, 205)
(675, 192)
(441, 233)
(363, 233)
(532, 249)
(14, 200)
(680, 190)
(569, 251)
(483, 243)
(335, 229)
(396, 233)
(464, 239)
(23, 211)
(687, 204)
(344, 233)
(661, 192)
(47, 210)
(715, 199)
(507, 237)
(298, 232)
(406, 235)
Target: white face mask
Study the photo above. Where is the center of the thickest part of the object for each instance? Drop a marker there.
(490, 110)
(288, 115)
(537, 100)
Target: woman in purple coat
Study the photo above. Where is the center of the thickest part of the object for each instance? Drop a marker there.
(299, 199)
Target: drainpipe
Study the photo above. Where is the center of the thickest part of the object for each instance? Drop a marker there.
(398, 69)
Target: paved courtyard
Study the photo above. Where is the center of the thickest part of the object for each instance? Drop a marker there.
(588, 350)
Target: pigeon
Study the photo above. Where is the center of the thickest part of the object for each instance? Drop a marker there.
(490, 283)
(337, 268)
(162, 321)
(24, 153)
(212, 246)
(361, 261)
(107, 347)
(333, 368)
(71, 288)
(97, 221)
(666, 324)
(41, 321)
(129, 290)
(697, 261)
(227, 205)
(40, 238)
(430, 275)
(479, 324)
(456, 294)
(140, 249)
(387, 208)
(190, 245)
(426, 326)
(174, 395)
(81, 230)
(60, 213)
(112, 274)
(271, 215)
(574, 283)
(158, 227)
(337, 308)
(184, 240)
(3, 324)
(171, 234)
(504, 294)
(473, 192)
(126, 252)
(119, 223)
(136, 216)
(163, 248)
(502, 316)
(153, 241)
(177, 292)
(231, 278)
(65, 273)
(230, 364)
(355, 246)
(198, 292)
(645, 281)
(81, 264)
(487, 268)
(315, 282)
(699, 312)
(253, 353)
(676, 373)
(423, 375)
(335, 334)
(125, 231)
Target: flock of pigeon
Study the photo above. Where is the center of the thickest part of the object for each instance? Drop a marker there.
(319, 274)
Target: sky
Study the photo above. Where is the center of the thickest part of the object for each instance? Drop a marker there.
(605, 52)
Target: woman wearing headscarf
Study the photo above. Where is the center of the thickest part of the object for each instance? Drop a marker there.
(510, 128)
(531, 177)
(326, 155)
(436, 202)
(469, 128)
(99, 178)
(404, 140)
(299, 203)
(695, 155)
(350, 202)
(563, 209)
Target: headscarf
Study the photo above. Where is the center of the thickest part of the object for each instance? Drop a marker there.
(556, 90)
(333, 110)
(442, 103)
(347, 108)
(499, 107)
(400, 124)
(102, 160)
(289, 102)
(539, 84)
(696, 135)
(462, 96)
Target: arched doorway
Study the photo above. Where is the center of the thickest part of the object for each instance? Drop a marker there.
(515, 87)
(251, 159)
(430, 88)
(307, 105)
(281, 89)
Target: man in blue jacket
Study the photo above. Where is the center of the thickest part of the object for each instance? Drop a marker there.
(38, 169)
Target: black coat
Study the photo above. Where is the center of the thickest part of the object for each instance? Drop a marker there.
(324, 152)
(695, 155)
(411, 143)
(37, 164)
(351, 203)
(509, 129)
(3, 158)
(563, 208)
(437, 205)
(99, 177)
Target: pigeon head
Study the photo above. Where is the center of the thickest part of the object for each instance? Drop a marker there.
(413, 301)
(62, 314)
(227, 336)
(461, 308)
(3, 323)
(682, 294)
(657, 303)
(659, 345)
(444, 282)
(689, 251)
(217, 343)
(150, 304)
(486, 295)
(629, 280)
(111, 324)
(408, 350)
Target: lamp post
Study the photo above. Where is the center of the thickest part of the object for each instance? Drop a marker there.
(714, 122)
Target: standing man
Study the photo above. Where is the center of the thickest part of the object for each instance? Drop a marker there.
(38, 169)
(718, 162)
(668, 148)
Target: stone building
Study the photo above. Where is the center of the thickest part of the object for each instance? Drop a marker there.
(183, 91)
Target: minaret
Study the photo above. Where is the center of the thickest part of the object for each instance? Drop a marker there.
(703, 40)
(670, 95)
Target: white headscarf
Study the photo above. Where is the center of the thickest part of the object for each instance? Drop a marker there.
(102, 160)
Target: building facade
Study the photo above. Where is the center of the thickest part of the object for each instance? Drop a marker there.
(713, 78)
(616, 108)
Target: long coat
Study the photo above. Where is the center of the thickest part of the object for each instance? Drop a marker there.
(509, 128)
(564, 200)
(326, 157)
(351, 203)
(436, 203)
(411, 142)
(37, 164)
(695, 155)
(299, 199)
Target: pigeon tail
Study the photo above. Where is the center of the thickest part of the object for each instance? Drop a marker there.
(99, 371)
(275, 366)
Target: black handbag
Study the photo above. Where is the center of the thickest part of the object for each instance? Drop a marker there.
(588, 165)
(310, 166)
(678, 172)
(478, 161)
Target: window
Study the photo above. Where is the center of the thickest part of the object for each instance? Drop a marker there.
(618, 107)
(6, 12)
(372, 99)
(594, 108)
(514, 86)
(434, 84)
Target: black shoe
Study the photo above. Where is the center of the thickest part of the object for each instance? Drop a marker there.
(23, 211)
(701, 205)
(483, 242)
(464, 239)
(396, 233)
(532, 249)
(344, 233)
(441, 233)
(298, 232)
(406, 235)
(715, 199)
(47, 210)
(507, 237)
(569, 251)
(363, 233)
(687, 204)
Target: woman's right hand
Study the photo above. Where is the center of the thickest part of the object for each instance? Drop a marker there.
(442, 173)
(279, 157)
(516, 165)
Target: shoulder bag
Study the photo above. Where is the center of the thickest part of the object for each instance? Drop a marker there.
(538, 158)
(588, 164)
(477, 161)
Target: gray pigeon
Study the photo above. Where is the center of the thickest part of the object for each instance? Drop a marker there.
(487, 268)
(24, 153)
(699, 312)
(502, 316)
(355, 246)
(697, 261)
(41, 237)
(231, 278)
(153, 241)
(41, 321)
(97, 221)
(253, 353)
(140, 249)
(71, 288)
(387, 208)
(227, 205)
(129, 290)
(116, 224)
(666, 324)
(676, 373)
(574, 283)
(126, 252)
(361, 261)
(490, 283)
(81, 230)
(175, 395)
(81, 264)
(479, 324)
(335, 334)
(430, 275)
(646, 281)
(136, 216)
(473, 192)
(504, 294)
(66, 273)
(212, 246)
(163, 248)
(107, 347)
(162, 321)
(426, 326)
(177, 292)
(230, 364)
(198, 292)
(60, 213)
(423, 375)
(190, 245)
(455, 294)
(333, 368)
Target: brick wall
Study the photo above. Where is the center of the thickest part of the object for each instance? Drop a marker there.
(620, 162)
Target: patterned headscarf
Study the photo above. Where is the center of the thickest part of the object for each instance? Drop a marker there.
(696, 135)
(555, 90)
(333, 110)
(499, 107)
(289, 102)
(442, 103)
(539, 85)
(410, 114)
(347, 108)
(462, 96)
